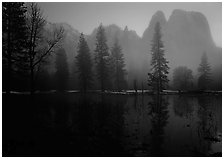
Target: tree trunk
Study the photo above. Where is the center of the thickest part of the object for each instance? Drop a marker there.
(9, 73)
(9, 55)
(142, 87)
(85, 86)
(32, 81)
(102, 85)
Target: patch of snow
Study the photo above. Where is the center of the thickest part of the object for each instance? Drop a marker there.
(73, 91)
(170, 91)
(15, 92)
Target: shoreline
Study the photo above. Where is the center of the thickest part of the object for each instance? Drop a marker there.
(128, 92)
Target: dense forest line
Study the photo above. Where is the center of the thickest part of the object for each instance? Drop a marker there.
(28, 50)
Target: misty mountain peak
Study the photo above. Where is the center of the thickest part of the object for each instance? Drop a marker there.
(190, 24)
(183, 12)
(178, 12)
(157, 17)
(191, 16)
(113, 28)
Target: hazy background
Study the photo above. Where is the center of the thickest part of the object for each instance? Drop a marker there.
(86, 16)
(188, 29)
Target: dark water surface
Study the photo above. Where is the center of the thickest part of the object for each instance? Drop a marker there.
(69, 124)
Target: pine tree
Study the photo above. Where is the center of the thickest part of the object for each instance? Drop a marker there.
(62, 72)
(14, 37)
(102, 58)
(118, 63)
(158, 79)
(84, 63)
(204, 70)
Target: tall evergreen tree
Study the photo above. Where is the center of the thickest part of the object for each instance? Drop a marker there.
(118, 63)
(204, 71)
(84, 63)
(158, 79)
(62, 72)
(14, 38)
(102, 58)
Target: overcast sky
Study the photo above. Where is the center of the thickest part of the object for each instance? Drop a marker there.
(86, 16)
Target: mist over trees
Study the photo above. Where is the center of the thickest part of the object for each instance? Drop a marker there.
(110, 58)
(204, 69)
(182, 78)
(118, 66)
(44, 81)
(102, 58)
(61, 74)
(84, 64)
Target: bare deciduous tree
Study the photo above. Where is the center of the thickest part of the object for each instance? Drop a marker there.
(42, 42)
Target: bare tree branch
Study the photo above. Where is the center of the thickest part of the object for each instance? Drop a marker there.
(57, 36)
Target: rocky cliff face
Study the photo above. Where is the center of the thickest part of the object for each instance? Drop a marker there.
(186, 36)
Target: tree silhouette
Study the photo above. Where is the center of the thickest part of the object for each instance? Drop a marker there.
(157, 78)
(84, 63)
(182, 78)
(41, 42)
(14, 40)
(62, 73)
(204, 71)
(118, 63)
(102, 57)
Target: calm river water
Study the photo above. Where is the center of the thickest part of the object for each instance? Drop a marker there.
(71, 124)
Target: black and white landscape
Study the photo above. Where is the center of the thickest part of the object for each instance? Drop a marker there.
(111, 92)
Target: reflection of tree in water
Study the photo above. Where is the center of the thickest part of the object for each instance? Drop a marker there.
(87, 125)
(207, 126)
(84, 118)
(52, 129)
(136, 126)
(114, 125)
(53, 111)
(183, 106)
(159, 116)
(106, 123)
